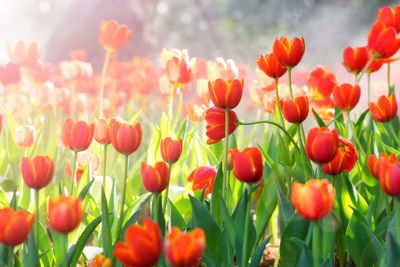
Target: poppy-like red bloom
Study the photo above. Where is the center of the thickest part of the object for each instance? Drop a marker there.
(126, 138)
(385, 109)
(102, 131)
(248, 164)
(295, 111)
(25, 136)
(226, 94)
(355, 60)
(203, 177)
(113, 36)
(382, 40)
(374, 164)
(77, 136)
(215, 118)
(389, 17)
(15, 226)
(314, 199)
(346, 96)
(288, 53)
(271, 66)
(155, 179)
(10, 74)
(345, 159)
(142, 246)
(322, 144)
(100, 261)
(65, 213)
(185, 249)
(37, 172)
(25, 54)
(171, 149)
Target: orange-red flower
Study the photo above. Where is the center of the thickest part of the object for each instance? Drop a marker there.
(288, 53)
(346, 96)
(15, 226)
(355, 60)
(248, 164)
(215, 118)
(126, 138)
(65, 213)
(374, 164)
(226, 94)
(382, 40)
(100, 261)
(113, 36)
(177, 66)
(345, 159)
(155, 179)
(25, 54)
(203, 177)
(171, 149)
(389, 17)
(142, 246)
(385, 109)
(295, 111)
(25, 136)
(314, 199)
(271, 66)
(185, 249)
(37, 172)
(10, 74)
(322, 144)
(390, 179)
(321, 82)
(102, 131)
(77, 136)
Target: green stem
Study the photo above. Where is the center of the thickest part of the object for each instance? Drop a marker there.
(10, 255)
(74, 173)
(364, 70)
(340, 113)
(302, 151)
(315, 243)
(121, 214)
(393, 133)
(397, 214)
(388, 77)
(37, 218)
(355, 77)
(224, 182)
(103, 76)
(178, 111)
(246, 226)
(104, 166)
(369, 87)
(351, 124)
(278, 104)
(167, 189)
(290, 82)
(65, 251)
(155, 207)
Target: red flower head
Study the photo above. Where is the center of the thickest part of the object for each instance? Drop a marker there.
(288, 53)
(178, 67)
(382, 40)
(171, 149)
(376, 63)
(155, 179)
(346, 96)
(102, 131)
(314, 199)
(389, 17)
(65, 213)
(215, 118)
(385, 109)
(248, 164)
(226, 94)
(295, 111)
(25, 136)
(203, 177)
(345, 159)
(389, 174)
(271, 66)
(100, 261)
(185, 249)
(10, 74)
(25, 54)
(322, 144)
(37, 173)
(374, 164)
(15, 226)
(355, 60)
(113, 36)
(77, 136)
(321, 82)
(142, 246)
(126, 138)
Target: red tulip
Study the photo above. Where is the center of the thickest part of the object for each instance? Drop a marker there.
(185, 249)
(385, 109)
(355, 60)
(203, 177)
(346, 96)
(10, 74)
(155, 179)
(25, 136)
(390, 179)
(345, 159)
(374, 164)
(113, 36)
(314, 199)
(226, 94)
(321, 82)
(15, 226)
(322, 144)
(25, 54)
(102, 131)
(77, 136)
(37, 173)
(295, 111)
(271, 66)
(100, 261)
(171, 149)
(126, 138)
(65, 213)
(389, 17)
(142, 246)
(288, 53)
(215, 118)
(247, 165)
(382, 40)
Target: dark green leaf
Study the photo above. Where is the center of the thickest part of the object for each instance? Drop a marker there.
(105, 226)
(31, 256)
(320, 122)
(84, 191)
(215, 199)
(176, 218)
(258, 253)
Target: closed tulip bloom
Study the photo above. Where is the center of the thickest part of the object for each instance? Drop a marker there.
(179, 71)
(382, 40)
(203, 177)
(345, 159)
(37, 172)
(271, 66)
(295, 111)
(171, 149)
(15, 226)
(314, 199)
(247, 165)
(100, 261)
(289, 53)
(77, 136)
(215, 118)
(226, 94)
(25, 136)
(10, 74)
(126, 138)
(385, 109)
(102, 131)
(65, 213)
(142, 246)
(322, 144)
(185, 249)
(113, 36)
(375, 165)
(321, 82)
(346, 96)
(355, 60)
(390, 17)
(155, 179)
(25, 54)
(389, 177)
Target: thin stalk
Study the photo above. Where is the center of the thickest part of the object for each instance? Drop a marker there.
(397, 214)
(10, 255)
(167, 189)
(103, 76)
(355, 77)
(104, 166)
(179, 109)
(37, 222)
(388, 77)
(309, 164)
(246, 227)
(392, 133)
(74, 173)
(315, 243)
(155, 206)
(290, 82)
(278, 104)
(64, 260)
(369, 87)
(302, 150)
(121, 214)
(225, 181)
(364, 70)
(350, 123)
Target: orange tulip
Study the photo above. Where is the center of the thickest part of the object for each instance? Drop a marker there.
(346, 96)
(126, 138)
(345, 159)
(171, 149)
(25, 54)
(25, 136)
(37, 173)
(226, 94)
(10, 74)
(295, 111)
(102, 131)
(15, 226)
(179, 71)
(77, 136)
(355, 60)
(65, 213)
(113, 36)
(271, 66)
(374, 164)
(321, 82)
(142, 246)
(155, 179)
(185, 249)
(248, 164)
(322, 144)
(382, 40)
(100, 261)
(390, 179)
(288, 53)
(203, 177)
(215, 118)
(385, 109)
(389, 17)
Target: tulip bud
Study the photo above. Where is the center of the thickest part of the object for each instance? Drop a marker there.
(102, 131)
(382, 40)
(355, 60)
(322, 144)
(345, 159)
(226, 94)
(171, 149)
(346, 96)
(113, 36)
(385, 109)
(155, 179)
(203, 177)
(126, 138)
(65, 213)
(37, 173)
(295, 111)
(247, 165)
(288, 53)
(77, 136)
(25, 136)
(389, 17)
(15, 226)
(271, 66)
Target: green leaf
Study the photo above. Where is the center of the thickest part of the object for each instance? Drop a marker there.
(320, 122)
(176, 218)
(258, 253)
(360, 120)
(59, 246)
(85, 190)
(306, 257)
(215, 199)
(105, 226)
(285, 208)
(182, 129)
(31, 256)
(229, 225)
(392, 251)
